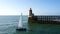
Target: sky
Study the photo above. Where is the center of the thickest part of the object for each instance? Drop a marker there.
(39, 7)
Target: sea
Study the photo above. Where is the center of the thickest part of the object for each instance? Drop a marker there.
(8, 25)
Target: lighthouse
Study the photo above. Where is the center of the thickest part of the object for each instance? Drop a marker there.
(30, 12)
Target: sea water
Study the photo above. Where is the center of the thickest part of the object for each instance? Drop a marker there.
(8, 25)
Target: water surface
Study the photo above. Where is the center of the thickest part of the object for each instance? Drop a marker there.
(8, 25)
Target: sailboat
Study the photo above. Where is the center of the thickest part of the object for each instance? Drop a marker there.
(21, 25)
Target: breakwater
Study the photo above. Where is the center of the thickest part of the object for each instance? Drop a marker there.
(45, 19)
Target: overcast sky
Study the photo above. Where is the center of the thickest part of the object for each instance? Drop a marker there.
(39, 7)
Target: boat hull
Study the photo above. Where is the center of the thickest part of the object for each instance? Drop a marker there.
(21, 29)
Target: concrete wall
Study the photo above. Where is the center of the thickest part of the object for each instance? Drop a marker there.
(45, 17)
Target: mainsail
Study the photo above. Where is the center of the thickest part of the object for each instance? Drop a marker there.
(20, 24)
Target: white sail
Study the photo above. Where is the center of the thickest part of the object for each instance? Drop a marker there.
(20, 24)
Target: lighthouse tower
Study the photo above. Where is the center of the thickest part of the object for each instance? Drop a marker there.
(30, 12)
(31, 15)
